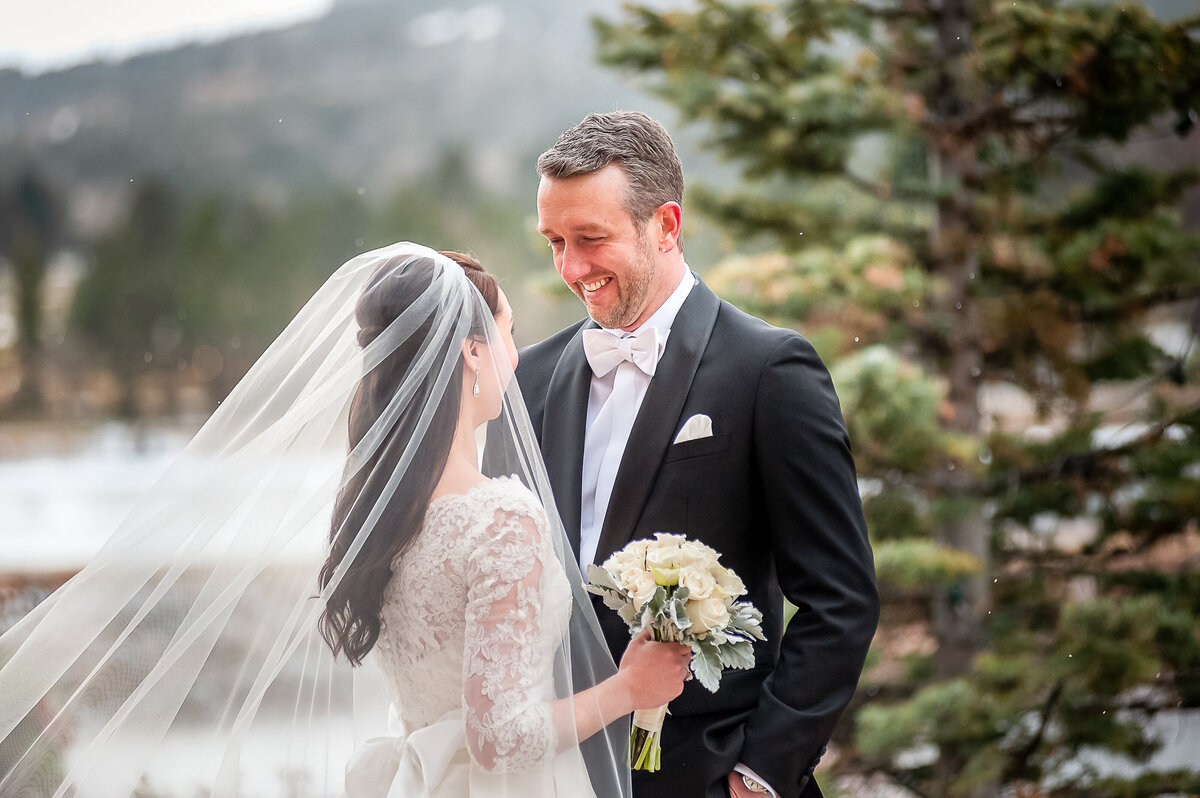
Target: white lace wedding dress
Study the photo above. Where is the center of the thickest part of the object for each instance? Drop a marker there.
(472, 619)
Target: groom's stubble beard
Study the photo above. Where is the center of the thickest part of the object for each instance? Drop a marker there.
(632, 290)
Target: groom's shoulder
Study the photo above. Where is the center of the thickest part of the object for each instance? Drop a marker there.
(751, 335)
(537, 361)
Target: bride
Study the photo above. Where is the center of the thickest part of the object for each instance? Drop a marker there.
(207, 649)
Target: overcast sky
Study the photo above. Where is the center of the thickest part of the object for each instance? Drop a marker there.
(45, 34)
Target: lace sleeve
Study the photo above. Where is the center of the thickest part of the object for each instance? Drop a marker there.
(507, 664)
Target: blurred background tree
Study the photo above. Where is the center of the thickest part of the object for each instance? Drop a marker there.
(31, 227)
(941, 197)
(186, 290)
(203, 284)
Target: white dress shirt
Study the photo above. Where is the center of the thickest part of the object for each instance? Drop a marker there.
(608, 426)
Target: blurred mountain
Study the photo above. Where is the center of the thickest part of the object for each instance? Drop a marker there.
(369, 96)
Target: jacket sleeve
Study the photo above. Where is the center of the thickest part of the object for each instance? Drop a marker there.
(823, 562)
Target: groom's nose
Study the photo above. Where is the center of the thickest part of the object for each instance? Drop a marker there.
(571, 266)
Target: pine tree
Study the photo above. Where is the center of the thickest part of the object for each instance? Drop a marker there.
(936, 195)
(190, 289)
(31, 227)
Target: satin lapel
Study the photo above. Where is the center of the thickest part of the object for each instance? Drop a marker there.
(658, 418)
(563, 428)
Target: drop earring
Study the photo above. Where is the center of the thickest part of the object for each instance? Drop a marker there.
(475, 387)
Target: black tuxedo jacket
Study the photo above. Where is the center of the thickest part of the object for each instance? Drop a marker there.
(773, 490)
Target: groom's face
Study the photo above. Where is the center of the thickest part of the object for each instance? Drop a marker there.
(600, 252)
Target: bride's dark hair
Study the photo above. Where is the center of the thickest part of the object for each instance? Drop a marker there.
(350, 622)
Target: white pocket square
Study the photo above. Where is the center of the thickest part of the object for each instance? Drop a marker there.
(698, 426)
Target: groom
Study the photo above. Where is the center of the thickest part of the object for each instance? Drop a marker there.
(670, 410)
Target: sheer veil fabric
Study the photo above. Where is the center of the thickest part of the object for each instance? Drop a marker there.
(186, 658)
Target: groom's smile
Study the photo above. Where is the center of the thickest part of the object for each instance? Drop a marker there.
(596, 286)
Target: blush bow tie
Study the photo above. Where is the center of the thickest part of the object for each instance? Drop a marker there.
(606, 351)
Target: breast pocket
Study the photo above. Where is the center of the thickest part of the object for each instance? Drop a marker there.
(698, 447)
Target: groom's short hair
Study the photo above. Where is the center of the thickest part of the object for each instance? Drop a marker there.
(637, 142)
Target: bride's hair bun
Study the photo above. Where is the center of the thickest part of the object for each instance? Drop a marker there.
(395, 284)
(368, 334)
(400, 281)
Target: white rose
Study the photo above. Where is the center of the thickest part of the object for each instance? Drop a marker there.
(663, 562)
(637, 548)
(633, 555)
(706, 614)
(624, 579)
(729, 584)
(641, 587)
(665, 540)
(613, 563)
(624, 562)
(699, 582)
(697, 555)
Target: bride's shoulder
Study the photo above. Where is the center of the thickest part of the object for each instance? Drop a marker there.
(501, 494)
(512, 495)
(491, 512)
(511, 522)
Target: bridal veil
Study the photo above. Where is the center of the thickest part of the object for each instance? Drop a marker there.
(186, 658)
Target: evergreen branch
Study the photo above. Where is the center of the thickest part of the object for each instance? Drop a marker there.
(1057, 565)
(1019, 758)
(996, 116)
(1078, 311)
(886, 191)
(1085, 462)
(956, 483)
(1147, 785)
(907, 11)
(1040, 137)
(904, 779)
(1146, 706)
(1142, 302)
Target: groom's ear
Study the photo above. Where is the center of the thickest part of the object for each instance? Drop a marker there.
(666, 225)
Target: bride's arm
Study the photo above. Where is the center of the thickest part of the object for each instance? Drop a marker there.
(512, 722)
(651, 674)
(507, 664)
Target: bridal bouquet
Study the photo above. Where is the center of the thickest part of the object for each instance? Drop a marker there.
(676, 587)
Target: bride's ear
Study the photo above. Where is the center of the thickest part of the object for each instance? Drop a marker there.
(471, 353)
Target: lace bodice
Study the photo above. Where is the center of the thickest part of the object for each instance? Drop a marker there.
(472, 618)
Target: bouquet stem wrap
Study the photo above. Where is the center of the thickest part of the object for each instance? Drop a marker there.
(645, 736)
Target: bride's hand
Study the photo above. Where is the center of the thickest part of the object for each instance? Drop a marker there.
(653, 673)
